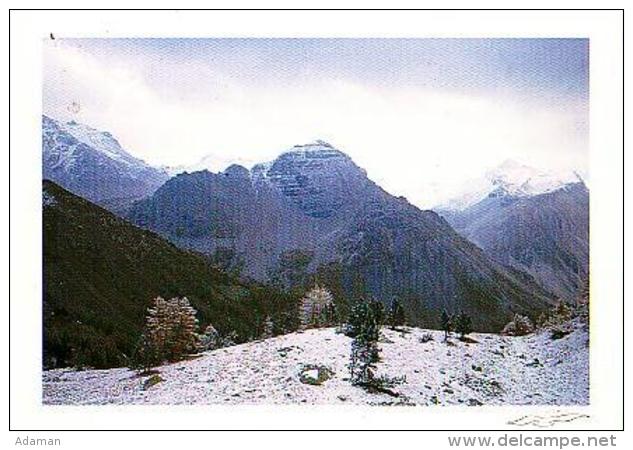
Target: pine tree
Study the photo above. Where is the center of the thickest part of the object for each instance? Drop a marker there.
(560, 313)
(396, 314)
(314, 307)
(463, 325)
(183, 339)
(365, 352)
(378, 310)
(356, 319)
(447, 324)
(331, 315)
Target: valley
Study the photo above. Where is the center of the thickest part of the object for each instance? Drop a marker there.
(292, 271)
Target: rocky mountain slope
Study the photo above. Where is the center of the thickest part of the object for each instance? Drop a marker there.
(314, 210)
(492, 370)
(101, 273)
(291, 203)
(545, 235)
(92, 164)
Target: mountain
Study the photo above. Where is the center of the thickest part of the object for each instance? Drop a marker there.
(313, 215)
(512, 179)
(288, 204)
(101, 273)
(545, 235)
(92, 164)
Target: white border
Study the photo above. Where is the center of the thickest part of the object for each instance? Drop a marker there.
(604, 28)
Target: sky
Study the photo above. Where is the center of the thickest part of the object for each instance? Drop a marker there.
(422, 116)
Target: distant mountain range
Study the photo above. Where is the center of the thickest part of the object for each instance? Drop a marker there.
(512, 179)
(312, 215)
(92, 164)
(211, 162)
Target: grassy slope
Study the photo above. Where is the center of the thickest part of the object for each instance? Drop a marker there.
(101, 273)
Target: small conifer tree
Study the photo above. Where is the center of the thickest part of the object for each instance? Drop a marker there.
(396, 315)
(356, 318)
(365, 352)
(331, 315)
(463, 325)
(560, 313)
(378, 310)
(447, 324)
(145, 356)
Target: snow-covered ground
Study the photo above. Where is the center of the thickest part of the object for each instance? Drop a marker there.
(496, 370)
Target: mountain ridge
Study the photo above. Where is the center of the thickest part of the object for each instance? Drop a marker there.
(92, 163)
(313, 199)
(545, 235)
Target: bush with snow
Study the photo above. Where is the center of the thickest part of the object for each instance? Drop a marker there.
(209, 339)
(315, 375)
(518, 326)
(316, 308)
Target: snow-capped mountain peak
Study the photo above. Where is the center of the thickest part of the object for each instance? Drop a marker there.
(101, 141)
(520, 179)
(314, 150)
(510, 178)
(92, 163)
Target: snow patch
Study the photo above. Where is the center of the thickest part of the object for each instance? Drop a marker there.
(48, 199)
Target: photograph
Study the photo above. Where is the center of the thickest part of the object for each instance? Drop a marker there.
(363, 221)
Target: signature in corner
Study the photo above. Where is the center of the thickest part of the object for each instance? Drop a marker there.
(547, 420)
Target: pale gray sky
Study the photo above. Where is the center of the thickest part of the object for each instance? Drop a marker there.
(420, 115)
